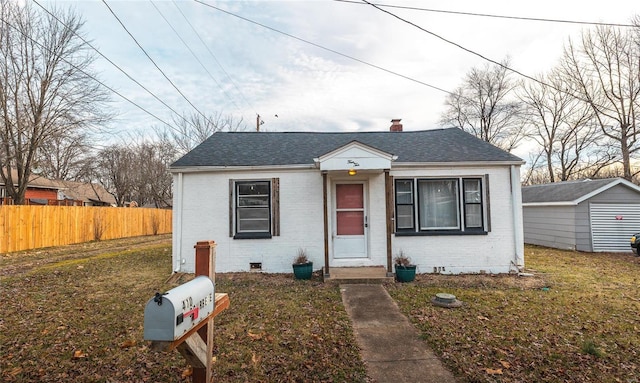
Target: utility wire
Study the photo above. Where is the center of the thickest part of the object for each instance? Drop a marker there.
(90, 76)
(154, 63)
(193, 54)
(214, 56)
(326, 49)
(467, 49)
(491, 15)
(112, 63)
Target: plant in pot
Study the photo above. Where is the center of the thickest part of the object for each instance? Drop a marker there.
(405, 270)
(302, 266)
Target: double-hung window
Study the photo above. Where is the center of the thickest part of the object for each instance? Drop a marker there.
(252, 209)
(473, 217)
(404, 205)
(443, 205)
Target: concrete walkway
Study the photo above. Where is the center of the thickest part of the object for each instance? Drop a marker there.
(391, 347)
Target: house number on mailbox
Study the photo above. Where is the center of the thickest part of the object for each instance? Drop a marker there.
(187, 303)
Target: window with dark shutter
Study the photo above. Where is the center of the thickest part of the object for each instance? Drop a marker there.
(254, 208)
(442, 206)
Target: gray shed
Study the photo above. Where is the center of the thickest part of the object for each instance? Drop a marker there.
(588, 215)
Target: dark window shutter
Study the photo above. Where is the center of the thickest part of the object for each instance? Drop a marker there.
(487, 203)
(392, 204)
(231, 205)
(275, 206)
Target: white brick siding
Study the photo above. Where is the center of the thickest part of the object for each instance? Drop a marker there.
(454, 254)
(201, 212)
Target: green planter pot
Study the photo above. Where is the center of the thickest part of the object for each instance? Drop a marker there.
(405, 273)
(303, 271)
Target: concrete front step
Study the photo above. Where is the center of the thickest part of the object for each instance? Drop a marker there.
(377, 274)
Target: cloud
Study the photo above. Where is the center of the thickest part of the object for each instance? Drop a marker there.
(254, 70)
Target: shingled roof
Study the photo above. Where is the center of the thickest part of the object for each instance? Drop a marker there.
(299, 148)
(570, 191)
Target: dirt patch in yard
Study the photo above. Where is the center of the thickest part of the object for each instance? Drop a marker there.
(533, 280)
(21, 262)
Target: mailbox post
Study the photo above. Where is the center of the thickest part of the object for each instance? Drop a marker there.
(206, 265)
(182, 318)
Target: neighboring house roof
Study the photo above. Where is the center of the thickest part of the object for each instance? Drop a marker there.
(87, 192)
(570, 192)
(35, 181)
(79, 191)
(300, 148)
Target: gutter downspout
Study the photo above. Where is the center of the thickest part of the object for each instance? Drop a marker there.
(516, 203)
(326, 225)
(177, 224)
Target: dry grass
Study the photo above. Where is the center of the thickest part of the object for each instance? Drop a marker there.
(75, 314)
(576, 321)
(66, 317)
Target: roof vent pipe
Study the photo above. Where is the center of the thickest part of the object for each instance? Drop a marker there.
(396, 126)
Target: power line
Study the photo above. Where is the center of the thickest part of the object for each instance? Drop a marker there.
(111, 62)
(325, 48)
(193, 53)
(213, 56)
(491, 15)
(466, 49)
(90, 75)
(153, 62)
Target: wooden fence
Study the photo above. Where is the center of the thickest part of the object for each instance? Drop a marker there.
(30, 227)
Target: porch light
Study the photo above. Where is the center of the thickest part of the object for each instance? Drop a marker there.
(352, 172)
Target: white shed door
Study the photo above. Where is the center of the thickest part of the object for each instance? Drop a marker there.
(612, 225)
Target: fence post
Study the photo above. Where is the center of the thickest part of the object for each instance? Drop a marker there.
(206, 265)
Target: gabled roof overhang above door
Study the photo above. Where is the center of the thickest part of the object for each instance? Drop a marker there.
(357, 156)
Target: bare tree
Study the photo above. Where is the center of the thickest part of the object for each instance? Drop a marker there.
(136, 172)
(46, 90)
(534, 172)
(564, 129)
(115, 168)
(64, 157)
(153, 181)
(603, 70)
(485, 107)
(191, 130)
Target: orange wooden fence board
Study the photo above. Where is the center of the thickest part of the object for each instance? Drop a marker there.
(24, 227)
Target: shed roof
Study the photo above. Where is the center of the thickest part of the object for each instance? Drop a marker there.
(572, 192)
(299, 148)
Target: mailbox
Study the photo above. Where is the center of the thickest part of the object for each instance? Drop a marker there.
(169, 316)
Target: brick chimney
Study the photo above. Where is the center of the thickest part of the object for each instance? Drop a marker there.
(396, 126)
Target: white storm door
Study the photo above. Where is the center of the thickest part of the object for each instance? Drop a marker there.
(350, 221)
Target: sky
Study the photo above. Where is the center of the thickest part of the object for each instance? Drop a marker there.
(317, 65)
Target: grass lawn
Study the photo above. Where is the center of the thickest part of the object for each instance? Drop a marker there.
(69, 317)
(579, 323)
(81, 320)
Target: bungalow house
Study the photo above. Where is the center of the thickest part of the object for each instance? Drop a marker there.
(39, 189)
(445, 198)
(87, 194)
(585, 215)
(44, 191)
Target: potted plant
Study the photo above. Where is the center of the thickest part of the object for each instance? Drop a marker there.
(405, 270)
(302, 267)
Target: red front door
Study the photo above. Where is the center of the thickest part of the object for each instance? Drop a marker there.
(350, 221)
